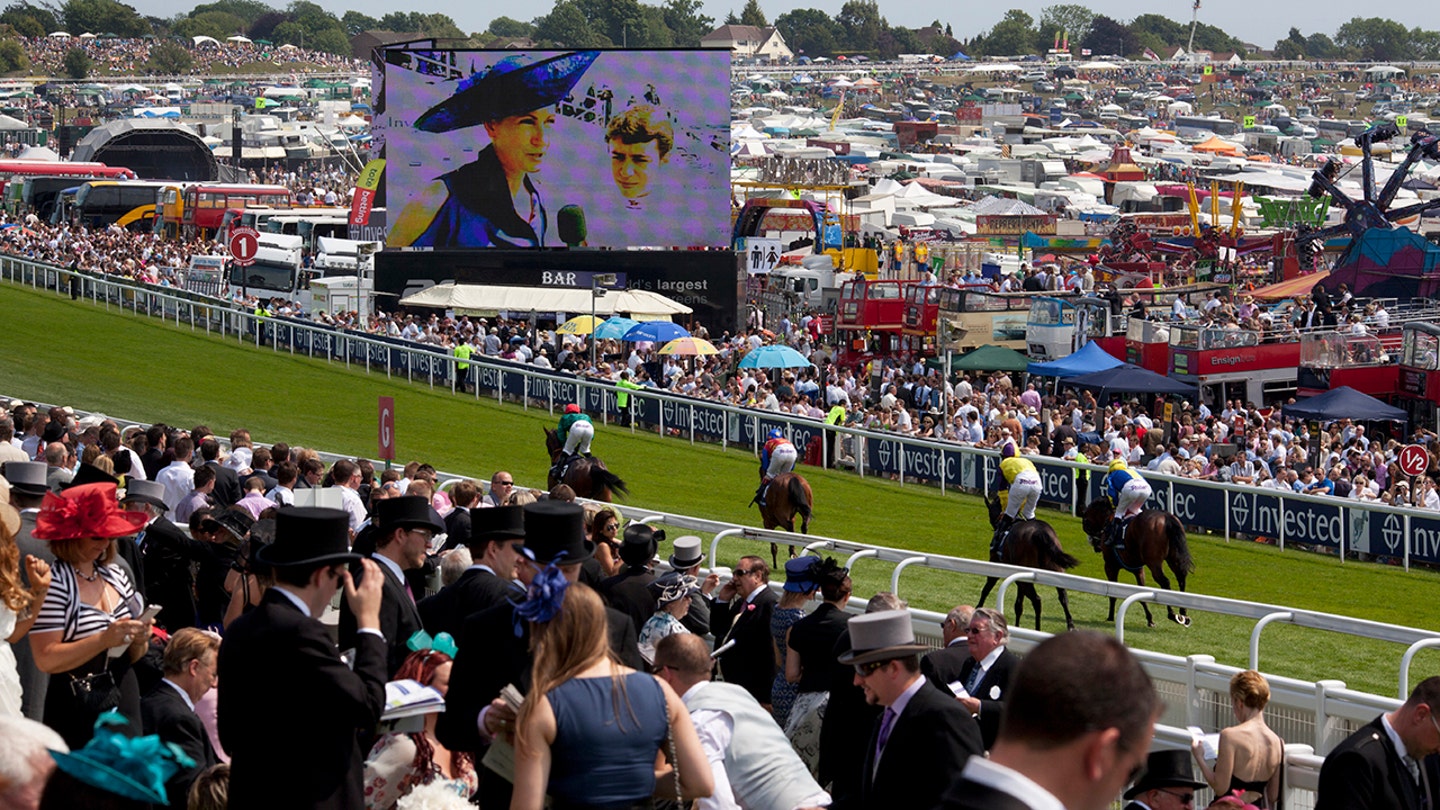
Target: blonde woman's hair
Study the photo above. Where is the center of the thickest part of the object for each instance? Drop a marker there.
(12, 593)
(564, 647)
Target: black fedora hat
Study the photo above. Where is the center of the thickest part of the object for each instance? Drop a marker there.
(26, 477)
(509, 87)
(407, 512)
(90, 474)
(307, 535)
(555, 528)
(148, 492)
(639, 545)
(498, 523)
(1163, 769)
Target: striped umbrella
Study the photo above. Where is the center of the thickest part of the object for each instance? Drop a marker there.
(689, 347)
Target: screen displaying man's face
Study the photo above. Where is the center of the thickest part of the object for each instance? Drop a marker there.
(631, 164)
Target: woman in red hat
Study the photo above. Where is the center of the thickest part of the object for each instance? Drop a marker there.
(88, 632)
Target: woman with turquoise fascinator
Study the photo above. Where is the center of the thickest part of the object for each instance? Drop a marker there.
(114, 771)
(399, 763)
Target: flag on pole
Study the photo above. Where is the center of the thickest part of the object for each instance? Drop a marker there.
(1149, 54)
(365, 189)
(1084, 51)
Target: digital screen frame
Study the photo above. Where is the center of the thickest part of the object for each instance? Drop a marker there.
(529, 149)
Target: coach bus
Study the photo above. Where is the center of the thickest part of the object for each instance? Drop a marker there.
(101, 203)
(203, 206)
(1194, 126)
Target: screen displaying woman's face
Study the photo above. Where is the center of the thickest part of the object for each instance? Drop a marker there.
(521, 140)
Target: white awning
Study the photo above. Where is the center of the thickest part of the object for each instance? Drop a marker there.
(477, 299)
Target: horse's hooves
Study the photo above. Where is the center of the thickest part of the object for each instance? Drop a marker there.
(1150, 623)
(1069, 626)
(1183, 621)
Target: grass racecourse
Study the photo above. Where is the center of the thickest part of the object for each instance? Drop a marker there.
(77, 353)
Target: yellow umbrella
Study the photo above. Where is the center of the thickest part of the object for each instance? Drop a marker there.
(578, 325)
(689, 347)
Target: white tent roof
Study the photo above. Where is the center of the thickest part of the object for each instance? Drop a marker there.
(8, 123)
(475, 299)
(1378, 70)
(60, 34)
(39, 153)
(995, 68)
(238, 38)
(199, 39)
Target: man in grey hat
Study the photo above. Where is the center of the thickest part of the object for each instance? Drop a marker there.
(923, 735)
(685, 561)
(167, 552)
(27, 491)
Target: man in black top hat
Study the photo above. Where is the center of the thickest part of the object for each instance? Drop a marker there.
(494, 648)
(404, 529)
(497, 534)
(1168, 783)
(923, 735)
(292, 713)
(629, 591)
(167, 552)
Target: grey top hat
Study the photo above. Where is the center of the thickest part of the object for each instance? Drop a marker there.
(880, 637)
(149, 492)
(26, 477)
(687, 552)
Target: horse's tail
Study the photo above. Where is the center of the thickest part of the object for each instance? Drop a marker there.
(799, 497)
(1047, 545)
(1180, 559)
(601, 477)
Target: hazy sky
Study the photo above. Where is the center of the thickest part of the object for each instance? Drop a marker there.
(1241, 18)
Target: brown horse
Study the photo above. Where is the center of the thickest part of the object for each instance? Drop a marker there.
(788, 495)
(1152, 539)
(1031, 544)
(587, 476)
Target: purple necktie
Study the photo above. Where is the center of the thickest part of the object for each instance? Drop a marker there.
(886, 723)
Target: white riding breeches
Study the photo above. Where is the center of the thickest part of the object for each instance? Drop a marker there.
(1024, 495)
(1132, 498)
(579, 437)
(782, 460)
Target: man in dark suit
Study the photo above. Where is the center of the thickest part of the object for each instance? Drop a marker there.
(404, 529)
(261, 466)
(292, 713)
(167, 552)
(1388, 762)
(458, 524)
(629, 591)
(27, 492)
(168, 709)
(227, 481)
(493, 654)
(985, 677)
(923, 735)
(942, 667)
(740, 613)
(1168, 783)
(842, 751)
(685, 561)
(496, 539)
(1078, 723)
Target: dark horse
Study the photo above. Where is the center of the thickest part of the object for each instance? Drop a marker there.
(788, 496)
(1031, 544)
(587, 476)
(1154, 537)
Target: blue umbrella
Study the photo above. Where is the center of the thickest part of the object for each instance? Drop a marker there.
(656, 332)
(774, 357)
(614, 328)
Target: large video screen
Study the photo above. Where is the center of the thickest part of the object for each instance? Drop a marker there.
(514, 149)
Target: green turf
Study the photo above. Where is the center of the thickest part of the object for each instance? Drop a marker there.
(59, 351)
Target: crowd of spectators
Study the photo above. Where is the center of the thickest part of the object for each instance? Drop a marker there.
(123, 55)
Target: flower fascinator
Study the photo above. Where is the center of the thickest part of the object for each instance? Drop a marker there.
(134, 767)
(544, 598)
(422, 641)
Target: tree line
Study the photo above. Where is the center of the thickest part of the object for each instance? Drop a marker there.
(859, 28)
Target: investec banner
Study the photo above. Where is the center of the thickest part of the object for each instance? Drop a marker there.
(1251, 511)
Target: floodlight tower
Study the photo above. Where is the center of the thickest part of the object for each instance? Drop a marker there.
(1194, 20)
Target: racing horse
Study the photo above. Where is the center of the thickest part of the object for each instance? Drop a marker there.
(587, 476)
(787, 496)
(1031, 544)
(1152, 539)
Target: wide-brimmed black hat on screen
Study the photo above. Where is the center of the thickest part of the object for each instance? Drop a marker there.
(509, 87)
(307, 535)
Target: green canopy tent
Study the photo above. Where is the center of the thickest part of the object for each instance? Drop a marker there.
(985, 358)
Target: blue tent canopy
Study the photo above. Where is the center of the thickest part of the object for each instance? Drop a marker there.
(1129, 379)
(1090, 358)
(1344, 403)
(959, 56)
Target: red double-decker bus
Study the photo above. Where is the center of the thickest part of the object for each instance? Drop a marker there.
(871, 318)
(203, 207)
